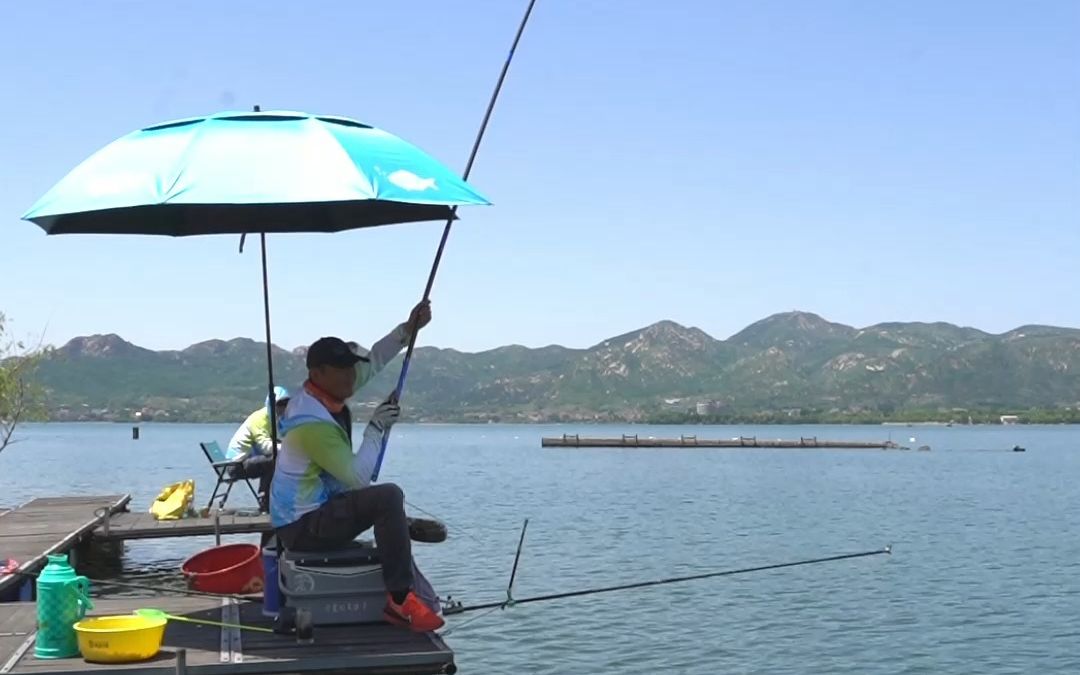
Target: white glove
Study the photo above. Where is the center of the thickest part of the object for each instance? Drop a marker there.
(385, 415)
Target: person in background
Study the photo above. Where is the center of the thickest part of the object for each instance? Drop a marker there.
(252, 443)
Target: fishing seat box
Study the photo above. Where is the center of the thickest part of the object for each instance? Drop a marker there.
(338, 586)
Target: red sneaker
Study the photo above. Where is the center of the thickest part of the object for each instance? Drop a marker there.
(412, 614)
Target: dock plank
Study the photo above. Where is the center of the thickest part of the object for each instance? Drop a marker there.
(49, 525)
(16, 627)
(337, 649)
(75, 500)
(144, 526)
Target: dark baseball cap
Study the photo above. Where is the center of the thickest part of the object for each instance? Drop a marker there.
(332, 351)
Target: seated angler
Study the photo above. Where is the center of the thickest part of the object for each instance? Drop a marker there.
(252, 444)
(322, 496)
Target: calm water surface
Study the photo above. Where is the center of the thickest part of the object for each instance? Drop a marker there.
(985, 575)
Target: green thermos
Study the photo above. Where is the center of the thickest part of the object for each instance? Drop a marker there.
(62, 600)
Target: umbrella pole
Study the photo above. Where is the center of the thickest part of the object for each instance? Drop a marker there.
(449, 222)
(264, 481)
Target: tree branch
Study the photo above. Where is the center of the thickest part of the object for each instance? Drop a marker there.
(18, 395)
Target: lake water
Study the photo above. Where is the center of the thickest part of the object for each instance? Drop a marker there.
(984, 577)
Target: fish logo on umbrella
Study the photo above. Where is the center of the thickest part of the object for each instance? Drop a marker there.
(407, 180)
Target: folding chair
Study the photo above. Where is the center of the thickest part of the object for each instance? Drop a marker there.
(221, 467)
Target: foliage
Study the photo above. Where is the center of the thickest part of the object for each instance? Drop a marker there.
(20, 397)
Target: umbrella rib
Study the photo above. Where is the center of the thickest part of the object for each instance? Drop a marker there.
(181, 162)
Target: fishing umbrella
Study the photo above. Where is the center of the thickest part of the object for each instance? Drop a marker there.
(252, 172)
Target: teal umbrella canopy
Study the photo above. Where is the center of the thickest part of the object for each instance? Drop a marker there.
(246, 172)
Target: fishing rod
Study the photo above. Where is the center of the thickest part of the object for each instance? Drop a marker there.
(453, 607)
(446, 229)
(457, 609)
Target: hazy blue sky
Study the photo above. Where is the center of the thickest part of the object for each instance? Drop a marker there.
(707, 162)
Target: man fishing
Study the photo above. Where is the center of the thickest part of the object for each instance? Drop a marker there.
(321, 495)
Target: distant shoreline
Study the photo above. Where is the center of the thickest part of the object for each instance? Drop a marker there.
(736, 422)
(789, 417)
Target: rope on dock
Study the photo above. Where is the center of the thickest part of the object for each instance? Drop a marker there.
(156, 589)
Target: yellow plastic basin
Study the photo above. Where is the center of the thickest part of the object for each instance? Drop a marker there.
(120, 639)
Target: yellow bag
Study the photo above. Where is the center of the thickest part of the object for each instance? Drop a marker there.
(174, 502)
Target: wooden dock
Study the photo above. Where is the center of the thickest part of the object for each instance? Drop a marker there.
(634, 441)
(58, 524)
(210, 650)
(124, 526)
(49, 525)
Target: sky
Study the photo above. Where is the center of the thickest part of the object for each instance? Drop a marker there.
(706, 162)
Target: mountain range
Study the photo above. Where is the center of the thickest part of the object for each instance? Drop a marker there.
(795, 365)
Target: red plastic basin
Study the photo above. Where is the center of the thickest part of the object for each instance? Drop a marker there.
(233, 568)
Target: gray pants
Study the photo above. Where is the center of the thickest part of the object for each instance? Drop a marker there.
(256, 466)
(340, 520)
